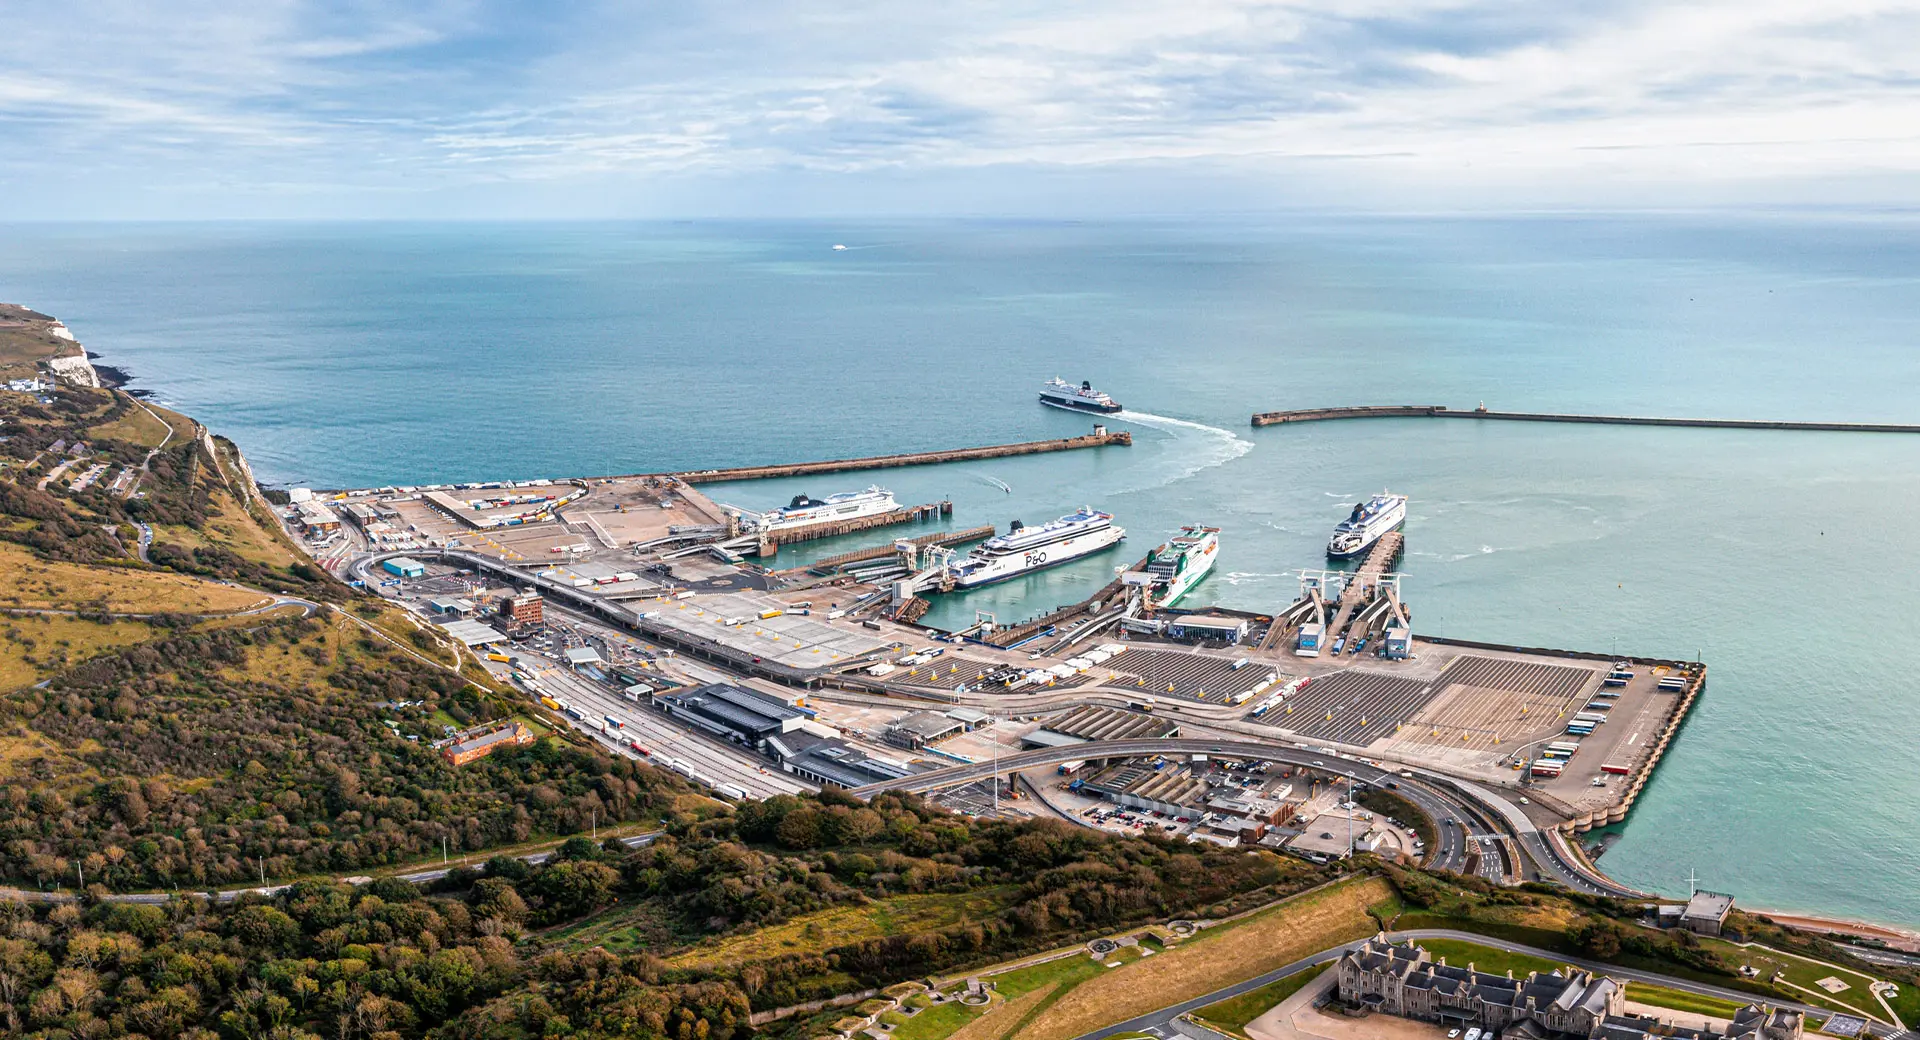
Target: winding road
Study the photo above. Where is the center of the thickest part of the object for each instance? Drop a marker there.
(1463, 812)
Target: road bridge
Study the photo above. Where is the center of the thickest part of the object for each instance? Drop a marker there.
(1459, 809)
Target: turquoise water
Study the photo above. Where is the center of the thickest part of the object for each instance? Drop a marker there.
(371, 354)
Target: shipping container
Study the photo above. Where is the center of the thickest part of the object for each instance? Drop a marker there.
(1615, 770)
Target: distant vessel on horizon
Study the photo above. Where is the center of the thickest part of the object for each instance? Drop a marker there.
(1369, 520)
(1083, 398)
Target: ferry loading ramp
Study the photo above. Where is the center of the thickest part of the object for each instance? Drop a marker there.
(793, 640)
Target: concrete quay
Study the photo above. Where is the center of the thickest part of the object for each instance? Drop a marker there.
(1101, 438)
(1441, 411)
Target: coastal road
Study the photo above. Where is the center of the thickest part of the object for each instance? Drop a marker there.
(1443, 797)
(228, 895)
(1161, 1021)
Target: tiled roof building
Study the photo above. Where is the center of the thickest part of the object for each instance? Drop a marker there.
(1404, 980)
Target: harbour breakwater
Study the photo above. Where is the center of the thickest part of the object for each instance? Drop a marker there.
(1100, 438)
(1440, 411)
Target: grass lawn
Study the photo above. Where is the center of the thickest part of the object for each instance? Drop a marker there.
(1024, 994)
(1215, 959)
(815, 933)
(1233, 1013)
(1679, 1000)
(936, 1023)
(1805, 973)
(1498, 962)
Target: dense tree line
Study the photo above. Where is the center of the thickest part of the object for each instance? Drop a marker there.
(324, 960)
(387, 962)
(187, 769)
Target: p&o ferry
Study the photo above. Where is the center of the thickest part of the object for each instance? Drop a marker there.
(804, 511)
(1178, 566)
(1370, 519)
(1023, 550)
(1083, 398)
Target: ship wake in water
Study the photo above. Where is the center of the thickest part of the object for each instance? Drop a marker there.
(1215, 447)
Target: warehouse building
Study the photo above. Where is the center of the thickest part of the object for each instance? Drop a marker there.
(1208, 628)
(922, 728)
(742, 716)
(405, 567)
(833, 762)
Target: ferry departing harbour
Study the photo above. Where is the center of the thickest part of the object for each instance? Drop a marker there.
(1182, 562)
(1370, 519)
(1023, 550)
(805, 512)
(1083, 398)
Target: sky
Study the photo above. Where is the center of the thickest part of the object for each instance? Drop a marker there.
(127, 109)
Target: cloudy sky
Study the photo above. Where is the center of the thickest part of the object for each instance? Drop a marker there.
(285, 108)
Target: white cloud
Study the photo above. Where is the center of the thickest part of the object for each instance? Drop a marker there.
(1513, 96)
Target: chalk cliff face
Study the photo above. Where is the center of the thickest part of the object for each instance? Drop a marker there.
(74, 369)
(61, 354)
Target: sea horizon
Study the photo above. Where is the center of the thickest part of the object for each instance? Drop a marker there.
(354, 355)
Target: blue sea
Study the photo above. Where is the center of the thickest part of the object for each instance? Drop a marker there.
(367, 354)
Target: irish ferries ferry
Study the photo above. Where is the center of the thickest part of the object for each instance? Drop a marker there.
(1025, 549)
(804, 511)
(1083, 398)
(1179, 565)
(1371, 519)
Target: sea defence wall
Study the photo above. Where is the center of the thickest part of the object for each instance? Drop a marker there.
(1100, 439)
(1440, 411)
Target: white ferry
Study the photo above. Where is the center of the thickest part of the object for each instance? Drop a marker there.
(1025, 549)
(1179, 565)
(805, 512)
(1083, 398)
(1370, 519)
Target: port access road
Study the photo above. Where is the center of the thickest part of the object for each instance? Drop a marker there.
(1161, 1022)
(1462, 811)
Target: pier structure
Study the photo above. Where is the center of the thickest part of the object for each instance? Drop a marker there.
(1441, 411)
(1371, 594)
(945, 539)
(1100, 438)
(769, 542)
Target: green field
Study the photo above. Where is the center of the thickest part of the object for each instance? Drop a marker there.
(1013, 1010)
(1679, 1000)
(1498, 962)
(1233, 1014)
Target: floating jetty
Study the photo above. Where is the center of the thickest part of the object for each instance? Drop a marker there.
(1100, 438)
(1440, 411)
(835, 528)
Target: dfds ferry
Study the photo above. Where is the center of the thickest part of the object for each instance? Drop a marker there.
(1370, 519)
(1025, 549)
(1083, 398)
(804, 511)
